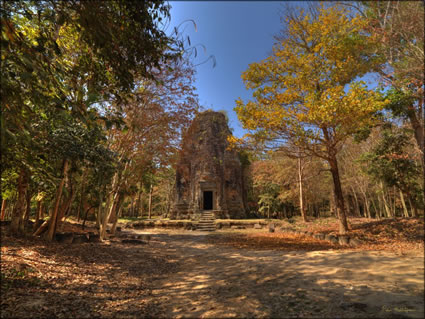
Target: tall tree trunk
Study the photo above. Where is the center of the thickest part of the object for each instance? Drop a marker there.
(332, 204)
(142, 204)
(27, 207)
(53, 219)
(99, 213)
(139, 197)
(85, 215)
(82, 194)
(384, 201)
(17, 225)
(113, 201)
(42, 208)
(11, 208)
(117, 213)
(394, 208)
(339, 196)
(403, 203)
(374, 207)
(366, 204)
(301, 194)
(132, 200)
(356, 202)
(135, 205)
(64, 212)
(413, 207)
(418, 128)
(380, 206)
(108, 215)
(115, 210)
(37, 214)
(3, 208)
(150, 201)
(100, 208)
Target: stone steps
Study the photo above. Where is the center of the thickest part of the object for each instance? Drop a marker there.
(206, 222)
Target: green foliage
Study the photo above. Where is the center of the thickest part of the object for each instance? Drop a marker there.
(390, 162)
(401, 102)
(96, 84)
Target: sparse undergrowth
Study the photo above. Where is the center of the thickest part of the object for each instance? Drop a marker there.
(113, 279)
(40, 279)
(405, 236)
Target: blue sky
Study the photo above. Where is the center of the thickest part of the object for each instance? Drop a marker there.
(237, 33)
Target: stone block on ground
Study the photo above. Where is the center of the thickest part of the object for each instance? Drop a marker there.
(330, 238)
(271, 227)
(94, 238)
(343, 240)
(334, 240)
(319, 236)
(146, 237)
(353, 305)
(80, 238)
(257, 226)
(354, 242)
(133, 241)
(65, 238)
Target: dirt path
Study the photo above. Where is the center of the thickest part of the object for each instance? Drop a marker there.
(220, 281)
(189, 274)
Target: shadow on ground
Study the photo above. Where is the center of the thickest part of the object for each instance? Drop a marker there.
(183, 274)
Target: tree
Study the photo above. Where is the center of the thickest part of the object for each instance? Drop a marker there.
(390, 162)
(155, 116)
(63, 60)
(398, 29)
(305, 92)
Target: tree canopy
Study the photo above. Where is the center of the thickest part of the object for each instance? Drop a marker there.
(307, 92)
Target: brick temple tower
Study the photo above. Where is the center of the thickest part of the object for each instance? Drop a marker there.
(208, 174)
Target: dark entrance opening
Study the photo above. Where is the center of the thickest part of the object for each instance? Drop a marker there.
(208, 200)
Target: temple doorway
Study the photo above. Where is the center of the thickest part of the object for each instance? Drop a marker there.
(208, 200)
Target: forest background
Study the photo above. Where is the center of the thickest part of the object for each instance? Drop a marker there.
(93, 112)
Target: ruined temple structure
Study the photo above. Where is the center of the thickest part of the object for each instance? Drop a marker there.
(208, 174)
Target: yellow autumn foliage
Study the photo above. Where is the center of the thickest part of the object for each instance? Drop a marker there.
(306, 88)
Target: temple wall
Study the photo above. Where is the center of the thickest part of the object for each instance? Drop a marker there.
(206, 165)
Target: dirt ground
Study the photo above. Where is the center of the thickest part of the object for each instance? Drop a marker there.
(195, 274)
